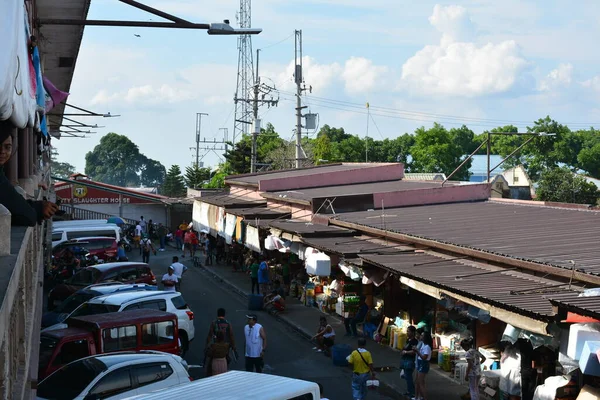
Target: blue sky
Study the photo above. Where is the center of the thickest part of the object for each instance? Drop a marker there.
(484, 62)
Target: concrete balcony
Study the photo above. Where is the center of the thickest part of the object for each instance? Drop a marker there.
(21, 281)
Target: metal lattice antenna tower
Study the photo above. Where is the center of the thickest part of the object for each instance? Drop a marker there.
(245, 75)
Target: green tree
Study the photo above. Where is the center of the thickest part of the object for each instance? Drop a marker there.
(60, 169)
(118, 161)
(174, 185)
(464, 138)
(563, 186)
(152, 172)
(435, 151)
(239, 156)
(218, 179)
(196, 176)
(588, 157)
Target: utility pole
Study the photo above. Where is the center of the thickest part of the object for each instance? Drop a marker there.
(260, 92)
(367, 136)
(198, 131)
(225, 137)
(299, 89)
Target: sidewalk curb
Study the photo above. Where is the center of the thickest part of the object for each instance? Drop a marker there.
(307, 335)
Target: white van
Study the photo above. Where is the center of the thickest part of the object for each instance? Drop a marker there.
(239, 385)
(78, 222)
(60, 234)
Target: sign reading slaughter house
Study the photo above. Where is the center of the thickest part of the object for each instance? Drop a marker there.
(87, 195)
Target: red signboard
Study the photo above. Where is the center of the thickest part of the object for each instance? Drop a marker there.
(87, 195)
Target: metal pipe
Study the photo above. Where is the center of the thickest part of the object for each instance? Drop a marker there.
(133, 24)
(463, 163)
(511, 154)
(489, 150)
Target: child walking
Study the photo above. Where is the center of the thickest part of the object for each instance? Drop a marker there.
(474, 360)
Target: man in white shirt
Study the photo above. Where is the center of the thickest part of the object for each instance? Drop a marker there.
(143, 224)
(169, 280)
(138, 236)
(256, 344)
(178, 269)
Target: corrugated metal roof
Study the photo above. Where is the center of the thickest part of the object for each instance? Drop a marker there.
(424, 176)
(351, 190)
(260, 212)
(253, 179)
(305, 228)
(587, 306)
(348, 246)
(496, 288)
(237, 385)
(547, 235)
(229, 201)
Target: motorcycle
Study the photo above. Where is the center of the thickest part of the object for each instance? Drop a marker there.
(126, 244)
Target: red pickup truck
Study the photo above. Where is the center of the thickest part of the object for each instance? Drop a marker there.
(106, 333)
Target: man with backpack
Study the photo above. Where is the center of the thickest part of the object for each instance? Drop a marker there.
(146, 246)
(220, 324)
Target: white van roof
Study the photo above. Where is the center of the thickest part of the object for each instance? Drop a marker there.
(237, 385)
(84, 222)
(79, 228)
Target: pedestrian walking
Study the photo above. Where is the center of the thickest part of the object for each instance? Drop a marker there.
(178, 269)
(218, 354)
(162, 236)
(362, 369)
(254, 276)
(256, 344)
(407, 365)
(187, 243)
(474, 360)
(138, 236)
(263, 276)
(169, 280)
(179, 239)
(146, 246)
(143, 224)
(121, 254)
(422, 363)
(221, 325)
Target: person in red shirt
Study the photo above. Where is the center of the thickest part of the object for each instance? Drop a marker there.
(179, 239)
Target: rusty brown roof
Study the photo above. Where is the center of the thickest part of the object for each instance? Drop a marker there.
(306, 228)
(260, 212)
(546, 235)
(253, 179)
(307, 195)
(228, 201)
(587, 306)
(347, 246)
(502, 289)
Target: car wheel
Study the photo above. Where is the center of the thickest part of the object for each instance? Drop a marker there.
(185, 343)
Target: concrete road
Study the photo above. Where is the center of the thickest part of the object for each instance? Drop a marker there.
(288, 354)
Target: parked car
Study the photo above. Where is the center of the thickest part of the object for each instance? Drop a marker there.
(124, 272)
(108, 333)
(238, 385)
(114, 376)
(105, 248)
(63, 234)
(172, 302)
(60, 313)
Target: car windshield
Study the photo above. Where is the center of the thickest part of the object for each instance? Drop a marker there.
(69, 381)
(85, 277)
(47, 346)
(93, 309)
(72, 302)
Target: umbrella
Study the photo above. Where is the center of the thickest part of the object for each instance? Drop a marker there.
(116, 220)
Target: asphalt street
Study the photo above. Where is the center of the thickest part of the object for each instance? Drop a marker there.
(288, 353)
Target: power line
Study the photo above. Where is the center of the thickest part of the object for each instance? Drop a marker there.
(275, 44)
(421, 115)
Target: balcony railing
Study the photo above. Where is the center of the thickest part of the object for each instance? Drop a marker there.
(21, 296)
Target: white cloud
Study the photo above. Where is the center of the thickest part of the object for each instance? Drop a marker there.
(319, 76)
(361, 75)
(453, 22)
(593, 83)
(460, 68)
(559, 77)
(143, 95)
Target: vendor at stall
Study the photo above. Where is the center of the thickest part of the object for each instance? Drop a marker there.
(361, 314)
